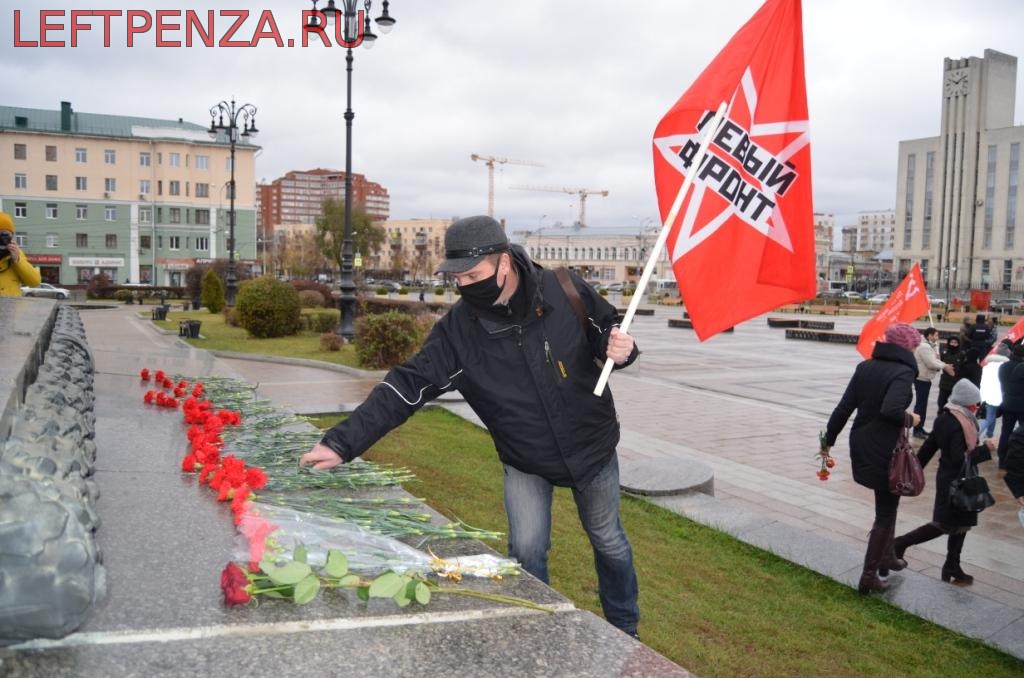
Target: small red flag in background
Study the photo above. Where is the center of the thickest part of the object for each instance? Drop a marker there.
(906, 304)
(1013, 336)
(745, 241)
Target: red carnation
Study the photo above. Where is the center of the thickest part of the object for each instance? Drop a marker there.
(256, 478)
(235, 584)
(160, 375)
(148, 398)
(144, 374)
(189, 463)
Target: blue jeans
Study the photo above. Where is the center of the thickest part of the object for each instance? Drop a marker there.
(528, 506)
(989, 425)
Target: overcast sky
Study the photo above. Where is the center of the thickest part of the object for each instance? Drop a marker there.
(576, 86)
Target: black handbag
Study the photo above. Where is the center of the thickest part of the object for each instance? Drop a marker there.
(970, 492)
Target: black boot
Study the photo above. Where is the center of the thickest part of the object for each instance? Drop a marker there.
(926, 532)
(878, 541)
(890, 559)
(951, 568)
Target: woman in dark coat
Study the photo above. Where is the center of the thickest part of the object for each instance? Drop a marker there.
(880, 391)
(954, 433)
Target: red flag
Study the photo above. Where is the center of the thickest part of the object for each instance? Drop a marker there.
(1013, 336)
(906, 304)
(745, 241)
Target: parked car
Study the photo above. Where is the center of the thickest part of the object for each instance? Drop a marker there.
(878, 299)
(853, 295)
(390, 285)
(46, 290)
(831, 294)
(1012, 306)
(936, 301)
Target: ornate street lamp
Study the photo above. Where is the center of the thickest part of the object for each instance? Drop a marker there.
(218, 124)
(351, 33)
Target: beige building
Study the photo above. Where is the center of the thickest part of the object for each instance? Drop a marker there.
(413, 249)
(874, 232)
(140, 199)
(957, 205)
(598, 255)
(824, 233)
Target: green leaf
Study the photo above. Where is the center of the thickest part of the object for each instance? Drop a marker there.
(306, 590)
(422, 593)
(274, 594)
(349, 580)
(337, 564)
(289, 574)
(386, 585)
(300, 555)
(364, 593)
(401, 599)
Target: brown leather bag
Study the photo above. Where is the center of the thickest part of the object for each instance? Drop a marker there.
(906, 477)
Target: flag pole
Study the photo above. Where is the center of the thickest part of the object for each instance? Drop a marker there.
(645, 278)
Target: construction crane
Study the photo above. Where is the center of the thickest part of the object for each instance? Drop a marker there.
(490, 161)
(581, 192)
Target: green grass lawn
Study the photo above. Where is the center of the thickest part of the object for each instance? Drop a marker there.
(710, 603)
(217, 335)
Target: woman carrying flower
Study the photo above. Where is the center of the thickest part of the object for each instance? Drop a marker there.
(880, 390)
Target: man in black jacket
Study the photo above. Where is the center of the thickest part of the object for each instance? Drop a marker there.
(527, 362)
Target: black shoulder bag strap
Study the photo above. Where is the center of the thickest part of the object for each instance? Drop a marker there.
(574, 296)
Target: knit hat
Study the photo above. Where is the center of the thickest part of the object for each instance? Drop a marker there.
(468, 241)
(903, 335)
(5, 222)
(965, 394)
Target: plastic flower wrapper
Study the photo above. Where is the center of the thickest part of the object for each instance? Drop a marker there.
(268, 531)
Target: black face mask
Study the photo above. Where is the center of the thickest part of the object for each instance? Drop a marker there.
(482, 294)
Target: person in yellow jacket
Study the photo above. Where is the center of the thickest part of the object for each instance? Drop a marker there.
(15, 269)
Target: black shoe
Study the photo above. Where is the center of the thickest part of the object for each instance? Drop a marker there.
(920, 433)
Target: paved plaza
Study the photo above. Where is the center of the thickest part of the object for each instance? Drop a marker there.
(749, 404)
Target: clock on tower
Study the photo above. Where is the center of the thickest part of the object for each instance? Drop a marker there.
(956, 82)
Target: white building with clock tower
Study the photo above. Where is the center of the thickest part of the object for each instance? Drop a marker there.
(958, 197)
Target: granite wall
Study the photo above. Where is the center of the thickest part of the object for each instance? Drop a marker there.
(50, 565)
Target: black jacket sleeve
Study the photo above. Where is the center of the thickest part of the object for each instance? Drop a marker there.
(1014, 462)
(602, 317)
(405, 389)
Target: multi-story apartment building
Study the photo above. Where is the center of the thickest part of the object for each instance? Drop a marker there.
(296, 198)
(140, 199)
(874, 232)
(957, 206)
(413, 247)
(824, 232)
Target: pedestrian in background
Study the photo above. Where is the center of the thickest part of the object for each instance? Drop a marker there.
(929, 364)
(954, 435)
(951, 355)
(15, 269)
(1011, 381)
(881, 392)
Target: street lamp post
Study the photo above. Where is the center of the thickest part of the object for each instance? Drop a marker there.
(218, 124)
(351, 35)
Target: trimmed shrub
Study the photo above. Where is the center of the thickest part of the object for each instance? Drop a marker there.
(325, 290)
(603, 292)
(123, 295)
(230, 317)
(329, 341)
(311, 299)
(383, 290)
(213, 292)
(439, 290)
(324, 320)
(268, 307)
(99, 287)
(384, 340)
